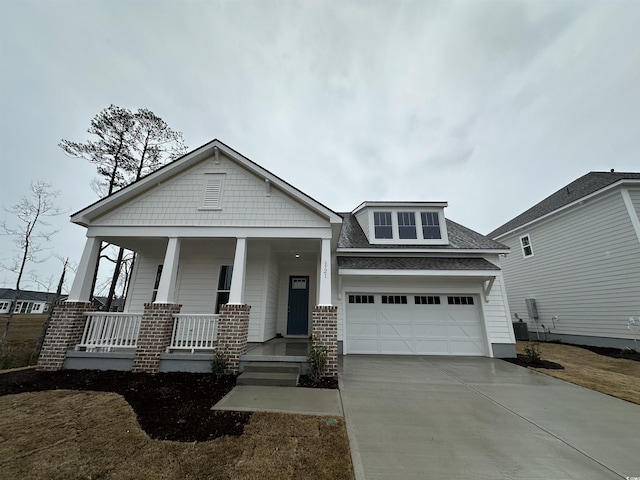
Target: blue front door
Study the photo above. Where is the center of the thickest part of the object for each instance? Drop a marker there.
(298, 316)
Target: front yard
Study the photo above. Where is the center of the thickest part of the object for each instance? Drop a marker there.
(614, 376)
(83, 433)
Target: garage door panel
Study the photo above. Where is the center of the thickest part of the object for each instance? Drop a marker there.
(406, 329)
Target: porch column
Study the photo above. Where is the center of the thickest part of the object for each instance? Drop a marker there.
(81, 288)
(324, 294)
(154, 337)
(236, 295)
(167, 285)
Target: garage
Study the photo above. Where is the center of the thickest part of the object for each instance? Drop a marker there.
(414, 324)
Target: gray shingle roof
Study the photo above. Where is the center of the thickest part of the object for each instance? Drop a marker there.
(29, 295)
(415, 263)
(583, 186)
(460, 238)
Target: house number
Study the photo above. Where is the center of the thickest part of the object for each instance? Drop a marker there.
(325, 269)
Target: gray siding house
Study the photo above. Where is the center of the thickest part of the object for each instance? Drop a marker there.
(574, 268)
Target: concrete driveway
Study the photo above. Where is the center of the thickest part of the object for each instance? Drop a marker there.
(481, 418)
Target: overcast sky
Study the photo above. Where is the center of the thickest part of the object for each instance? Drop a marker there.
(489, 105)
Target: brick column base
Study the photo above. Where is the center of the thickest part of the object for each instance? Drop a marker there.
(64, 333)
(155, 335)
(233, 330)
(324, 321)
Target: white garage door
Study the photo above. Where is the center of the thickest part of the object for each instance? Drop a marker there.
(414, 325)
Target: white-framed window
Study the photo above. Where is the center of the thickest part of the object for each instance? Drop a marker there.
(361, 299)
(4, 305)
(407, 225)
(383, 228)
(427, 300)
(430, 225)
(527, 248)
(224, 286)
(212, 191)
(460, 300)
(394, 299)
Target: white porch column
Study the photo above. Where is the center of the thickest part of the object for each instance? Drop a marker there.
(324, 295)
(167, 285)
(236, 295)
(81, 288)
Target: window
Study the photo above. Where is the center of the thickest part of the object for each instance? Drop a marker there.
(527, 249)
(460, 300)
(430, 225)
(361, 299)
(427, 300)
(4, 305)
(224, 286)
(407, 225)
(382, 224)
(156, 283)
(394, 299)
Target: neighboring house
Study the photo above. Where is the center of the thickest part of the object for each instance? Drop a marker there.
(30, 302)
(575, 259)
(228, 252)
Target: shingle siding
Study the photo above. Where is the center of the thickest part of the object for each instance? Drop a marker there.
(585, 270)
(244, 202)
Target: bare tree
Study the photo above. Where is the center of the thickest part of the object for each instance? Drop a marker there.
(29, 231)
(129, 146)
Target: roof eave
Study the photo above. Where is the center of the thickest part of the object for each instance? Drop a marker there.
(377, 251)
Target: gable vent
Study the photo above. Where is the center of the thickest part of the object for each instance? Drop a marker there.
(212, 192)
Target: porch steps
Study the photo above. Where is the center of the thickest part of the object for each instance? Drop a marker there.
(270, 373)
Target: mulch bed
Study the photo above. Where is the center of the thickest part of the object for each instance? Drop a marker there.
(169, 406)
(325, 382)
(611, 352)
(524, 361)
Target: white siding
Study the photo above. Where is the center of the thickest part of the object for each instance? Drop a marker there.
(254, 289)
(243, 202)
(142, 283)
(496, 315)
(634, 193)
(363, 219)
(585, 270)
(271, 301)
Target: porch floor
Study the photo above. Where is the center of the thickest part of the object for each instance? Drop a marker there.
(277, 349)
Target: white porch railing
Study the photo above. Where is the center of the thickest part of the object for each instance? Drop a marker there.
(106, 331)
(194, 332)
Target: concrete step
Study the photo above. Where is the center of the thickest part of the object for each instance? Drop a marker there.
(275, 367)
(286, 379)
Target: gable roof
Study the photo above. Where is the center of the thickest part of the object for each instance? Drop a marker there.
(460, 238)
(83, 217)
(584, 186)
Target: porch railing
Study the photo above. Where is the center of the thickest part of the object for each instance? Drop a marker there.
(194, 332)
(105, 331)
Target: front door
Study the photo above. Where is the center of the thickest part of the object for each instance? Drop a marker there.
(298, 316)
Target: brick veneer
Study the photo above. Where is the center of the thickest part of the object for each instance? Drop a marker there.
(64, 333)
(324, 321)
(233, 330)
(155, 335)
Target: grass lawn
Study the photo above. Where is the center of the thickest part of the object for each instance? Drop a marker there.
(71, 435)
(24, 332)
(614, 376)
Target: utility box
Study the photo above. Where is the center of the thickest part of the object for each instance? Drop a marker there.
(532, 310)
(521, 330)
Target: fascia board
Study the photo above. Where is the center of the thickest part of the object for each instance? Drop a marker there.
(486, 274)
(375, 252)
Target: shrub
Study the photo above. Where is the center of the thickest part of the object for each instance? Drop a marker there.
(532, 352)
(317, 356)
(219, 363)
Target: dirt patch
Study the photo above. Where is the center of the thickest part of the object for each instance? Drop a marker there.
(627, 354)
(169, 406)
(64, 434)
(618, 377)
(525, 361)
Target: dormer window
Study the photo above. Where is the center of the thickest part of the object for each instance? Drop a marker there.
(430, 225)
(407, 225)
(382, 224)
